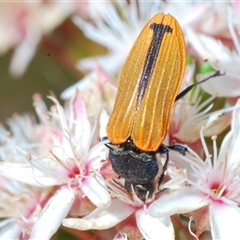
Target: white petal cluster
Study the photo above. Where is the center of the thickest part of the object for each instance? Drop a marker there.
(55, 170)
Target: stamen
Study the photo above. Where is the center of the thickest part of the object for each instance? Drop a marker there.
(198, 186)
(198, 167)
(61, 114)
(135, 197)
(29, 156)
(69, 184)
(219, 195)
(190, 230)
(62, 163)
(224, 170)
(205, 146)
(214, 150)
(120, 193)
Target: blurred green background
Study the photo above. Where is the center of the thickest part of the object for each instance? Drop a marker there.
(53, 68)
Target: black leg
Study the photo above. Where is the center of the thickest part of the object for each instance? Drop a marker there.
(178, 148)
(107, 145)
(165, 150)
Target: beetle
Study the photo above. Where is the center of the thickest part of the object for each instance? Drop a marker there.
(148, 86)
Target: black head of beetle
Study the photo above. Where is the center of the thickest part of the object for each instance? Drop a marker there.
(138, 168)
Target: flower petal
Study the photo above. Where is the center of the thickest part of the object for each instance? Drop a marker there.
(101, 198)
(110, 62)
(184, 200)
(83, 85)
(25, 174)
(102, 218)
(24, 53)
(52, 215)
(9, 229)
(221, 86)
(104, 117)
(224, 221)
(79, 119)
(154, 228)
(232, 138)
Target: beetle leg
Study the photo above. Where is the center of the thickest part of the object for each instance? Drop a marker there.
(107, 145)
(178, 148)
(163, 150)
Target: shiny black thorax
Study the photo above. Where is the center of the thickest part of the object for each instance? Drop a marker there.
(137, 168)
(133, 164)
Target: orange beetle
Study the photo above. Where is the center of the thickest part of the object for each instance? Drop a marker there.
(148, 85)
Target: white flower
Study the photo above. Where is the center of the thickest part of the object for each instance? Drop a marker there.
(189, 114)
(20, 206)
(213, 183)
(129, 215)
(114, 25)
(220, 57)
(72, 166)
(193, 111)
(98, 91)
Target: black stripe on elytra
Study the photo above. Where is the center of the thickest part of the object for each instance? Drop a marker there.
(159, 30)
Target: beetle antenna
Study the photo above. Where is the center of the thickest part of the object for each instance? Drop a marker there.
(186, 90)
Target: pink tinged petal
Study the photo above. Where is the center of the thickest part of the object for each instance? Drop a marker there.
(236, 6)
(57, 137)
(224, 221)
(23, 54)
(94, 188)
(102, 218)
(52, 215)
(154, 228)
(184, 200)
(79, 119)
(78, 108)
